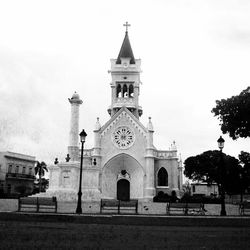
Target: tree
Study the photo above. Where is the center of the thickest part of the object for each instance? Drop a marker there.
(206, 167)
(186, 188)
(244, 158)
(44, 185)
(234, 114)
(40, 169)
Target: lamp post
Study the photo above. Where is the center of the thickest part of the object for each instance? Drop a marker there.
(221, 142)
(83, 135)
(241, 188)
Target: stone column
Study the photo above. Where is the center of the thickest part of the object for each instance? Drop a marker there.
(149, 191)
(97, 147)
(73, 148)
(96, 155)
(180, 173)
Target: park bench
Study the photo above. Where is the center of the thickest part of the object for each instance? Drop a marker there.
(130, 206)
(195, 208)
(109, 205)
(244, 207)
(185, 208)
(118, 206)
(37, 204)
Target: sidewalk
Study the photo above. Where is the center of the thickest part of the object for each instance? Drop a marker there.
(114, 219)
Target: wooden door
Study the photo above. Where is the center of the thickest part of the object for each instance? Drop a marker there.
(123, 190)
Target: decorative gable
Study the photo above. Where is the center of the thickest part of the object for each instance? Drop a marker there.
(124, 115)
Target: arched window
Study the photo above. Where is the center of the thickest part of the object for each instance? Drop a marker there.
(125, 90)
(118, 90)
(131, 90)
(162, 177)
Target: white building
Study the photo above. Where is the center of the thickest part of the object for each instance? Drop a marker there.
(203, 188)
(16, 173)
(123, 162)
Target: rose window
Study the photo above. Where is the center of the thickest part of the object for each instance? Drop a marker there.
(123, 137)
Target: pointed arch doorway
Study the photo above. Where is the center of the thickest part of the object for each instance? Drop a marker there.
(120, 167)
(123, 190)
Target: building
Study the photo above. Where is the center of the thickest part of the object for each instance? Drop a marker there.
(16, 173)
(202, 188)
(123, 162)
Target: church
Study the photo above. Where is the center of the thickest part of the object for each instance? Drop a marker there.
(123, 163)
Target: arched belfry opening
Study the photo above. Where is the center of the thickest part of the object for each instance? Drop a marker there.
(118, 90)
(131, 91)
(125, 91)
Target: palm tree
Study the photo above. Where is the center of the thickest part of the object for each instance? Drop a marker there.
(40, 169)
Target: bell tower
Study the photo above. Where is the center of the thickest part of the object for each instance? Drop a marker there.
(125, 86)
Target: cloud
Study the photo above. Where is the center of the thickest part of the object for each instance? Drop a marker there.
(28, 113)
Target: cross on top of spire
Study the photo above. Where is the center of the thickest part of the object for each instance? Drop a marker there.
(126, 50)
(126, 25)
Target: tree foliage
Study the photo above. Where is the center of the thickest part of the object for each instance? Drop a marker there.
(206, 167)
(234, 114)
(44, 183)
(40, 169)
(244, 158)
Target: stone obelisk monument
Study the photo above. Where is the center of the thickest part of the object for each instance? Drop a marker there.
(73, 148)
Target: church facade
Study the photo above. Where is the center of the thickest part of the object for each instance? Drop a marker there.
(123, 163)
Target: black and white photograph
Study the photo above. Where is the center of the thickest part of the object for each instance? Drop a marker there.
(125, 124)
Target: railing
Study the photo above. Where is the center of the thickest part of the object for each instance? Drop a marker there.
(165, 154)
(20, 176)
(120, 101)
(87, 152)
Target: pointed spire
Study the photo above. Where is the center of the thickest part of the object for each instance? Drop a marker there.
(126, 50)
(97, 125)
(173, 146)
(150, 125)
(180, 158)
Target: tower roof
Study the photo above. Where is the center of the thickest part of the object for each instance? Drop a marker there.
(126, 50)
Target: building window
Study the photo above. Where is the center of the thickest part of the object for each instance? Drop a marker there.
(24, 170)
(17, 170)
(10, 169)
(162, 177)
(193, 189)
(30, 171)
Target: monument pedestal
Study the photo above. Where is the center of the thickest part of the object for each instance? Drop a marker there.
(64, 182)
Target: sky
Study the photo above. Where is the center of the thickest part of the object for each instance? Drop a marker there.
(193, 53)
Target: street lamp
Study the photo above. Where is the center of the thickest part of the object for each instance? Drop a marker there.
(83, 135)
(221, 142)
(241, 187)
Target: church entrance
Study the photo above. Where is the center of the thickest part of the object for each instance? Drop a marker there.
(123, 190)
(122, 178)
